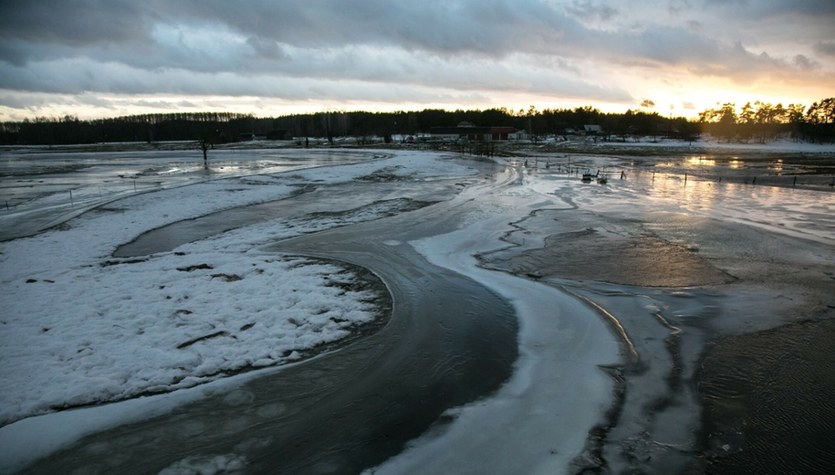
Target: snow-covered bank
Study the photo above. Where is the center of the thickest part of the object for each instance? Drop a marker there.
(80, 327)
(114, 332)
(735, 225)
(35, 437)
(542, 415)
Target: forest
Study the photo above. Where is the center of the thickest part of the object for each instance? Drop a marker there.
(759, 122)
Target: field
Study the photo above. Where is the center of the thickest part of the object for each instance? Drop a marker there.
(485, 304)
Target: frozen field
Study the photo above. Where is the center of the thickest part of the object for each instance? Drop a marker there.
(83, 327)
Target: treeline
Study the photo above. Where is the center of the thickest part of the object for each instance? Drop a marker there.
(533, 121)
(759, 121)
(225, 127)
(763, 122)
(135, 128)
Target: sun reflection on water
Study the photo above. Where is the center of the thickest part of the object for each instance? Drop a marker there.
(701, 161)
(804, 213)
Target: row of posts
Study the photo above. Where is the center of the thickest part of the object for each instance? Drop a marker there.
(576, 170)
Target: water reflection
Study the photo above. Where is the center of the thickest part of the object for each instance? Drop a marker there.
(37, 187)
(701, 161)
(29, 176)
(689, 192)
(806, 213)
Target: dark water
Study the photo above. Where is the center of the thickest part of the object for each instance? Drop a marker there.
(40, 188)
(449, 341)
(769, 401)
(309, 204)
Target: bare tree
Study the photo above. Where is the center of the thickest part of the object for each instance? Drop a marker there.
(208, 139)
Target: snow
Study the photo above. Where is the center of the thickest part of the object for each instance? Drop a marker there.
(206, 465)
(155, 326)
(80, 327)
(38, 436)
(557, 391)
(538, 421)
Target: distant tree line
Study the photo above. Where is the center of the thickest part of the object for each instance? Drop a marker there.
(135, 128)
(762, 122)
(759, 121)
(226, 127)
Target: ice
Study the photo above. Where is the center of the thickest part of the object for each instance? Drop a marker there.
(207, 465)
(538, 421)
(112, 328)
(80, 327)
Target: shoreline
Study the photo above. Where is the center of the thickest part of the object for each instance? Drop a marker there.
(678, 303)
(707, 450)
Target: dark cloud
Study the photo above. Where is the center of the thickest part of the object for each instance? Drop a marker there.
(489, 27)
(758, 9)
(589, 10)
(144, 34)
(826, 48)
(668, 45)
(805, 64)
(267, 49)
(383, 49)
(77, 23)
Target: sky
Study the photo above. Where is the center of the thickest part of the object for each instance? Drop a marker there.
(94, 59)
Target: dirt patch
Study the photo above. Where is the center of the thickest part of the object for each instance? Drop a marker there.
(644, 260)
(188, 343)
(383, 175)
(195, 267)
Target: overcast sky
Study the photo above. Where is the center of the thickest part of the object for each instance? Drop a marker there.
(108, 58)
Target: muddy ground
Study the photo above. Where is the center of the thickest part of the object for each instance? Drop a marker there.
(734, 367)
